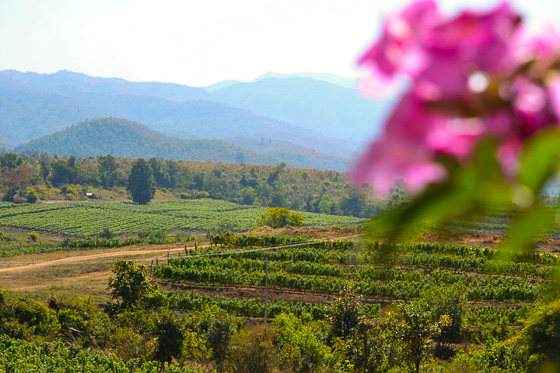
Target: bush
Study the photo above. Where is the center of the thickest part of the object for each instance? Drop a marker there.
(33, 236)
(278, 217)
(218, 337)
(106, 233)
(541, 334)
(251, 352)
(32, 196)
(301, 348)
(158, 234)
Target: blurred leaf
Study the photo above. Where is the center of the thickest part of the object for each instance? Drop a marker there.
(526, 225)
(540, 159)
(470, 189)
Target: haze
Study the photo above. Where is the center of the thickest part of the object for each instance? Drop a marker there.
(198, 42)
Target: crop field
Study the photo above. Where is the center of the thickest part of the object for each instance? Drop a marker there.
(227, 276)
(325, 267)
(89, 219)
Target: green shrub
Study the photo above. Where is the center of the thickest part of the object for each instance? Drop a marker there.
(278, 217)
(32, 196)
(33, 236)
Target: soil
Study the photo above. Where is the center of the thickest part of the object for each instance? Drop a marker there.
(310, 231)
(485, 240)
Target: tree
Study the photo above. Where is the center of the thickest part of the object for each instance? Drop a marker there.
(346, 311)
(130, 284)
(541, 335)
(353, 204)
(160, 174)
(32, 196)
(451, 302)
(218, 337)
(325, 204)
(107, 169)
(414, 326)
(278, 217)
(170, 336)
(141, 183)
(249, 196)
(45, 169)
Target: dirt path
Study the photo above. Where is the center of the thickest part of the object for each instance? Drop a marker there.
(93, 257)
(78, 274)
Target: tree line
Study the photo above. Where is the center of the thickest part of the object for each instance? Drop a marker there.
(330, 192)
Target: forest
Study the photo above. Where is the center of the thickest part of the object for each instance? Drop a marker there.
(42, 177)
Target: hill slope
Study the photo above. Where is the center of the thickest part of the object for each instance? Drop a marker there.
(123, 138)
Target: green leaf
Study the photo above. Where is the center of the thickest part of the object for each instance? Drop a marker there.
(540, 159)
(527, 225)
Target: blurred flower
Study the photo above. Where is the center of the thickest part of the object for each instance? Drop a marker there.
(473, 75)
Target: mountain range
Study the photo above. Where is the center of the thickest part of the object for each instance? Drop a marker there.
(304, 120)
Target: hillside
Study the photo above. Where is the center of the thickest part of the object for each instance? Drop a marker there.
(317, 105)
(122, 138)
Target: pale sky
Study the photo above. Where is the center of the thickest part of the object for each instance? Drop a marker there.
(204, 41)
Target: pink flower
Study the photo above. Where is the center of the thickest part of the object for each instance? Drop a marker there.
(385, 162)
(440, 53)
(413, 136)
(473, 64)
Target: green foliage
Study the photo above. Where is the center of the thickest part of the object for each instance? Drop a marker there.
(89, 219)
(32, 196)
(346, 311)
(33, 236)
(414, 326)
(141, 182)
(372, 348)
(541, 334)
(301, 349)
(218, 337)
(21, 356)
(448, 302)
(106, 233)
(9, 196)
(170, 336)
(251, 351)
(107, 170)
(278, 217)
(130, 284)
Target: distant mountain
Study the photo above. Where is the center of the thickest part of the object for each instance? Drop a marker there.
(220, 85)
(123, 138)
(316, 105)
(289, 152)
(75, 84)
(343, 81)
(34, 105)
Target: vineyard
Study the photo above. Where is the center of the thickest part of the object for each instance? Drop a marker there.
(89, 219)
(222, 279)
(325, 267)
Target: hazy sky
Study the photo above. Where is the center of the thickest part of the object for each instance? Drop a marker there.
(199, 42)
